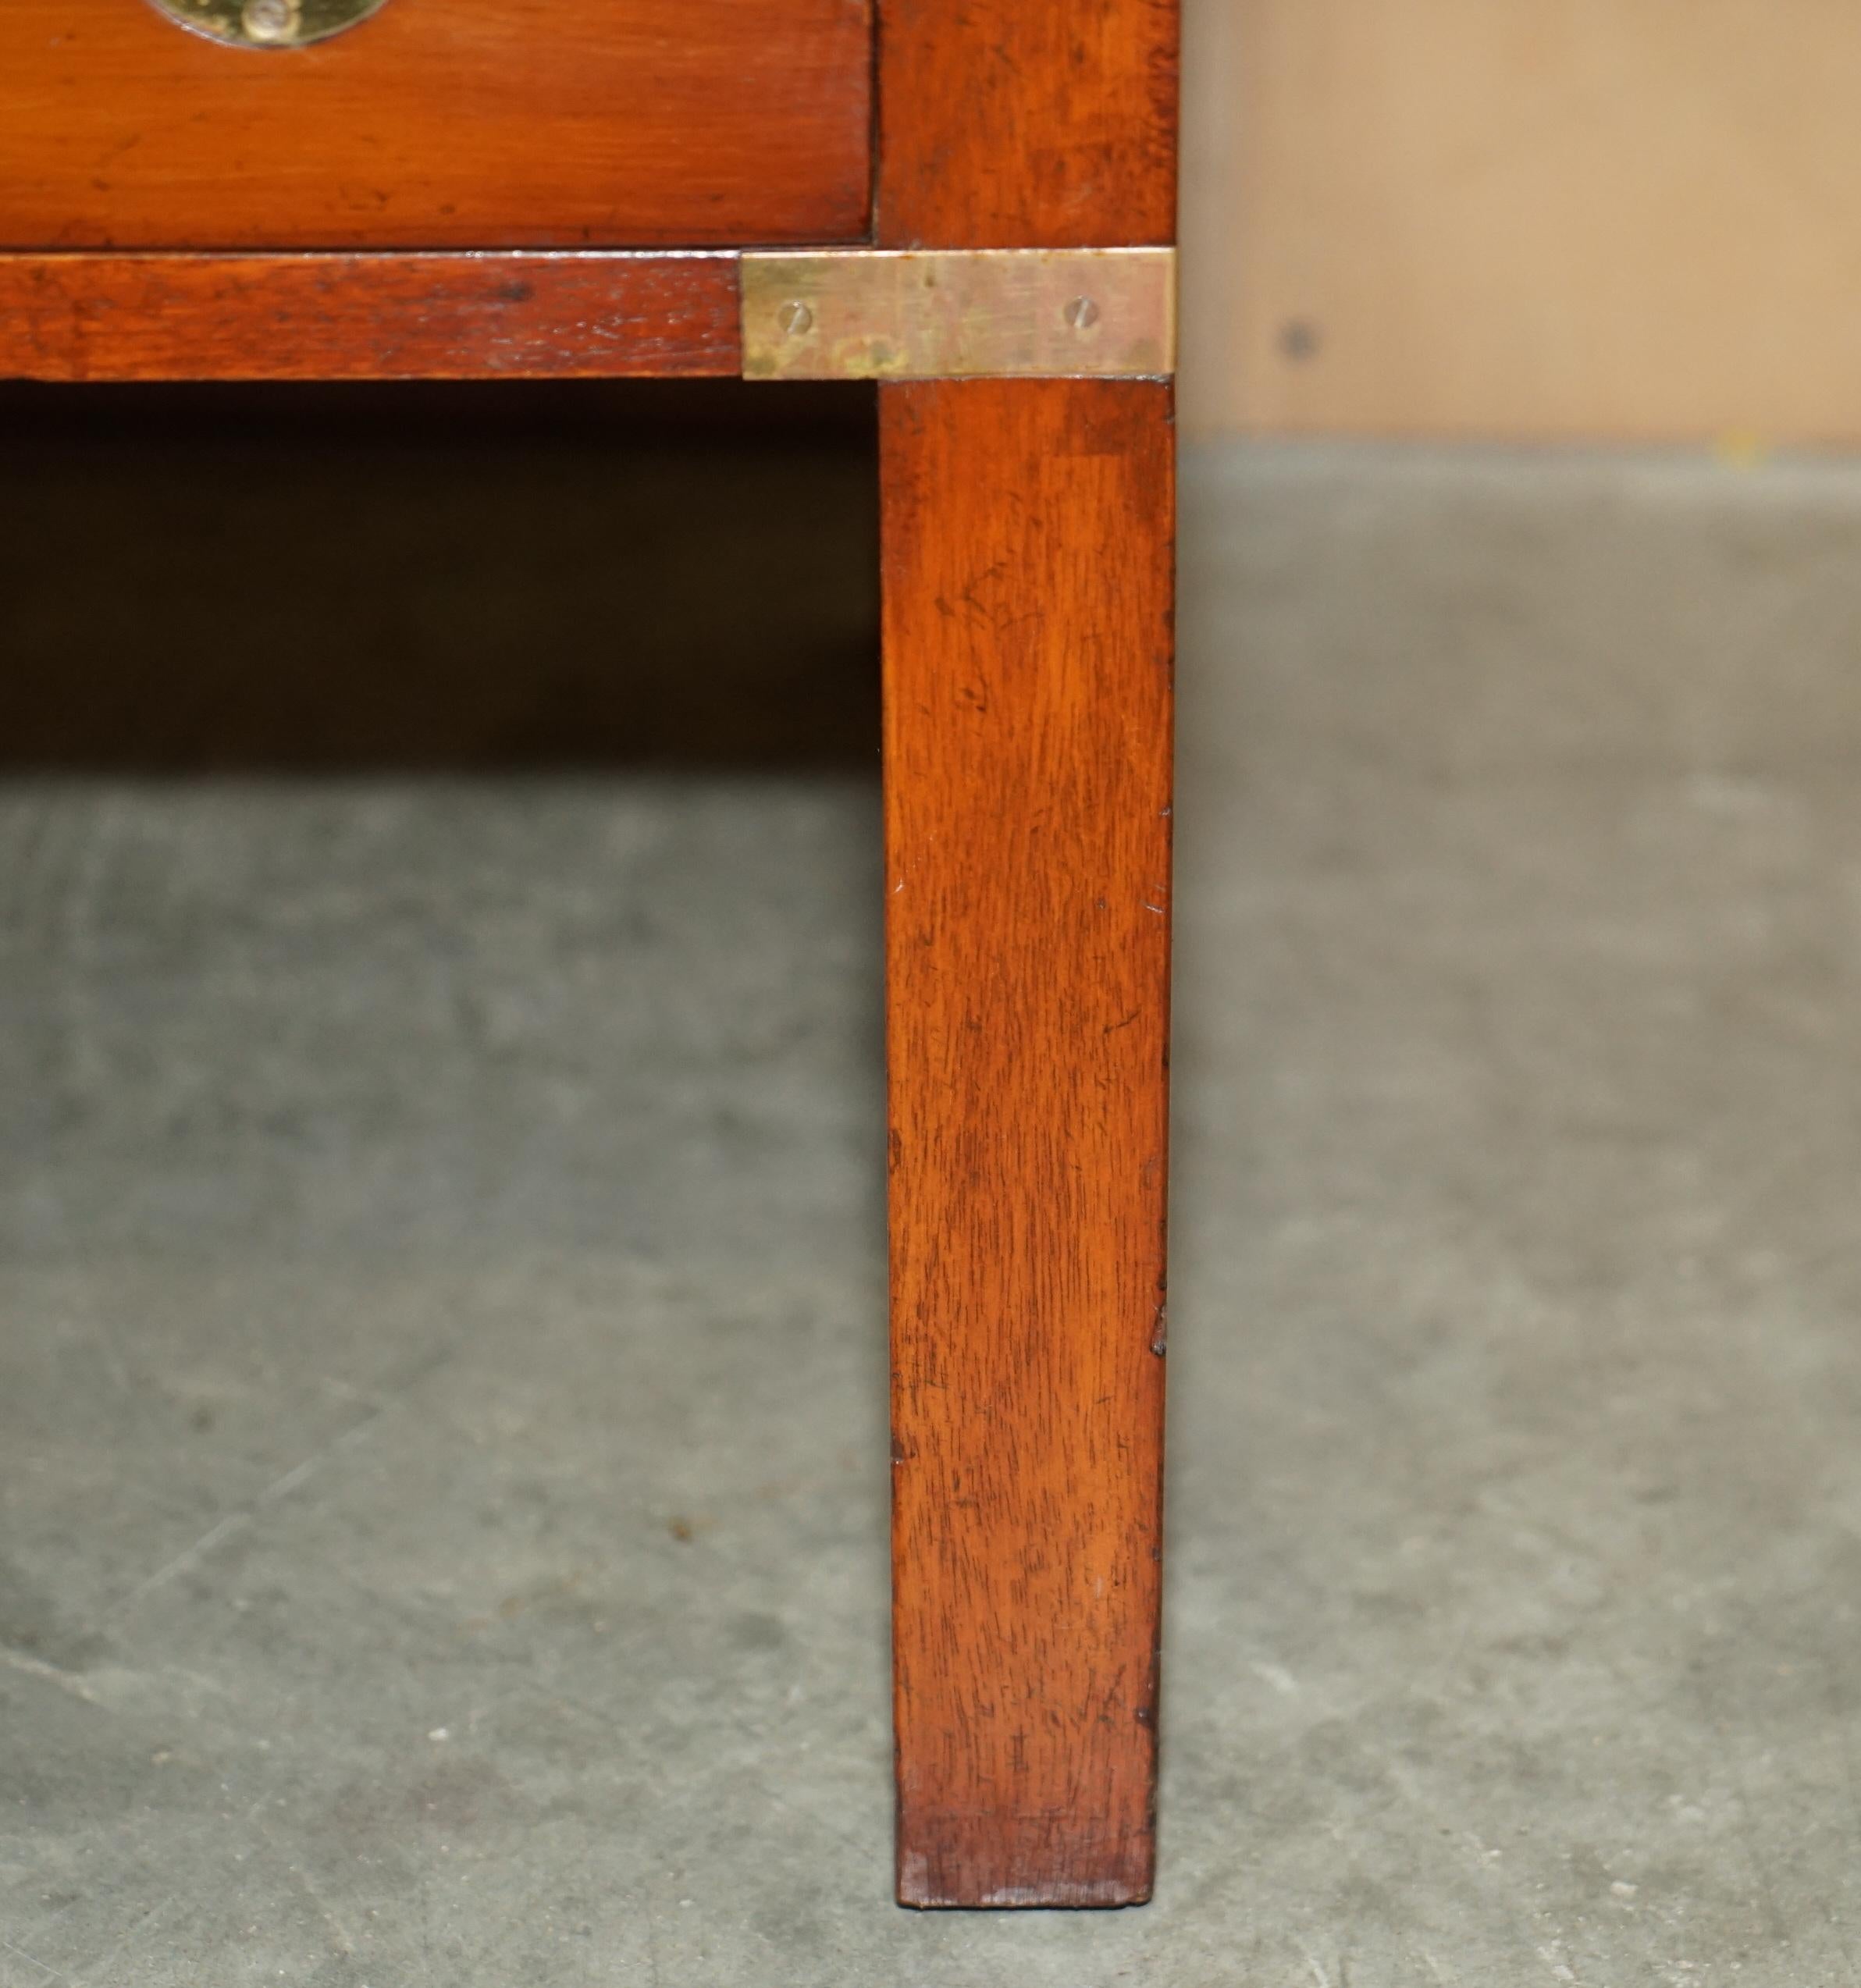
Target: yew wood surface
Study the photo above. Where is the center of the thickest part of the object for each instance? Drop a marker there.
(439, 123)
(1028, 536)
(1028, 533)
(516, 316)
(1026, 123)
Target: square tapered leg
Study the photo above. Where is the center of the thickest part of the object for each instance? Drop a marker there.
(1029, 532)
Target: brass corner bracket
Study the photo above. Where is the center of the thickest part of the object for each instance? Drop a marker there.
(959, 313)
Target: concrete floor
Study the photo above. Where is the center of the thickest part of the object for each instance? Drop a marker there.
(441, 1426)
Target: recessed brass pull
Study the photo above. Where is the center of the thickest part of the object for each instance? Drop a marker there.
(268, 24)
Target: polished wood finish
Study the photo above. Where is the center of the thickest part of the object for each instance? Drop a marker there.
(438, 124)
(1010, 124)
(1028, 533)
(1028, 537)
(520, 316)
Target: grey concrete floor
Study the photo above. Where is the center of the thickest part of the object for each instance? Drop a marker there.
(441, 1423)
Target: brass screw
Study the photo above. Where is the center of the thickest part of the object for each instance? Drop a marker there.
(795, 317)
(1081, 313)
(269, 20)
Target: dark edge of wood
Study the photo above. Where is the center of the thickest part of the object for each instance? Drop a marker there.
(1029, 574)
(1026, 123)
(331, 316)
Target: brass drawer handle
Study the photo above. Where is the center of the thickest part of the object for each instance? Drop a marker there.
(268, 23)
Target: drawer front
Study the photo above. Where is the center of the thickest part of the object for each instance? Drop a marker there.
(439, 124)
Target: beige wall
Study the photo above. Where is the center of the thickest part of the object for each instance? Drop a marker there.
(1525, 217)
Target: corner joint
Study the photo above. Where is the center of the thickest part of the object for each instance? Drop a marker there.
(959, 313)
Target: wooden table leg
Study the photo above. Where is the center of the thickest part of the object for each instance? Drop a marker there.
(1029, 530)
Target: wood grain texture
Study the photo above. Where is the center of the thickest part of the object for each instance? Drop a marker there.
(1004, 124)
(517, 316)
(1028, 534)
(439, 124)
